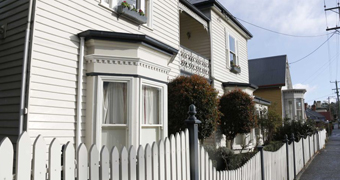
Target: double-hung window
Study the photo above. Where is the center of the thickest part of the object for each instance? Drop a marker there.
(152, 111)
(231, 50)
(115, 96)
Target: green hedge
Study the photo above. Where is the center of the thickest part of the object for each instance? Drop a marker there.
(273, 146)
(224, 158)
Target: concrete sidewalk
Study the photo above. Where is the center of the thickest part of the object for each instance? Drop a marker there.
(326, 165)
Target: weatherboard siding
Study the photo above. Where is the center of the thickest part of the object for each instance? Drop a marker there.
(53, 79)
(221, 72)
(199, 40)
(14, 14)
(274, 95)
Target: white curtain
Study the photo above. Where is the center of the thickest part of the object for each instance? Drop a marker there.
(150, 106)
(115, 103)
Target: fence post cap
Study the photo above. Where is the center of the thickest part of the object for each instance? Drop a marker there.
(259, 148)
(192, 118)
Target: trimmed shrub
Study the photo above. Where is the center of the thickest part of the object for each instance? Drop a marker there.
(297, 127)
(184, 91)
(273, 146)
(237, 108)
(224, 158)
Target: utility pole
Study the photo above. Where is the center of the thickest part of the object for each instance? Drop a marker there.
(337, 96)
(335, 10)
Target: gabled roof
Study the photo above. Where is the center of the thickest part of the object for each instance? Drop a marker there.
(208, 3)
(315, 115)
(268, 71)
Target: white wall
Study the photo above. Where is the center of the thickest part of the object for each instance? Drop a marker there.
(220, 70)
(53, 78)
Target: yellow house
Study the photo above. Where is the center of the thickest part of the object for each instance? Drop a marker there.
(272, 76)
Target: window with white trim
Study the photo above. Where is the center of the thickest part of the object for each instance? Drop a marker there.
(231, 50)
(144, 5)
(114, 104)
(128, 111)
(152, 111)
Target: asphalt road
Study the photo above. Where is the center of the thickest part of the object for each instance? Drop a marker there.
(326, 165)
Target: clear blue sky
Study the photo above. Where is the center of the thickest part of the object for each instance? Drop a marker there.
(301, 18)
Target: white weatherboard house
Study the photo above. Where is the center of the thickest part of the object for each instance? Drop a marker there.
(92, 71)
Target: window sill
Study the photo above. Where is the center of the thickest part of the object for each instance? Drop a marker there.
(151, 125)
(132, 15)
(235, 69)
(113, 125)
(144, 25)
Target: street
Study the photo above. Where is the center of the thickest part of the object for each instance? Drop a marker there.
(326, 165)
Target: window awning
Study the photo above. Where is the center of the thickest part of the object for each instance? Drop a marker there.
(193, 14)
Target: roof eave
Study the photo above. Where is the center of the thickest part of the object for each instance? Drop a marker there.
(109, 35)
(194, 9)
(210, 3)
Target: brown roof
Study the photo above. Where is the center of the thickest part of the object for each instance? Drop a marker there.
(328, 115)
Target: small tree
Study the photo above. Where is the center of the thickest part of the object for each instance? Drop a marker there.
(270, 122)
(196, 90)
(237, 108)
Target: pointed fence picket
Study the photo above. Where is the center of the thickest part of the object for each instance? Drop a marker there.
(168, 159)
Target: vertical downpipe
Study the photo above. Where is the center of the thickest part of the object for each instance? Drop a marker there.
(80, 90)
(24, 68)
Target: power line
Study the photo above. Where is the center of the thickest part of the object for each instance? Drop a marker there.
(320, 97)
(312, 51)
(292, 35)
(321, 69)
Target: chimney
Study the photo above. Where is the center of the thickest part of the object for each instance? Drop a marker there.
(318, 104)
(313, 107)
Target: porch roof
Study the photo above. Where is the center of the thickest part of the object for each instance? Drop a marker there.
(209, 3)
(194, 12)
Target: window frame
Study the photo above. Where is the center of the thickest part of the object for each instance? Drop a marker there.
(163, 107)
(228, 50)
(99, 107)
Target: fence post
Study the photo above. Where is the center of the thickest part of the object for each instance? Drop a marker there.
(192, 123)
(303, 150)
(317, 140)
(260, 148)
(314, 143)
(310, 154)
(293, 141)
(287, 154)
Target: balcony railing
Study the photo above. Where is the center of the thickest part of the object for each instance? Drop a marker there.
(194, 63)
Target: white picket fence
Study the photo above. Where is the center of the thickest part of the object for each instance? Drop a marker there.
(275, 163)
(249, 171)
(167, 159)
